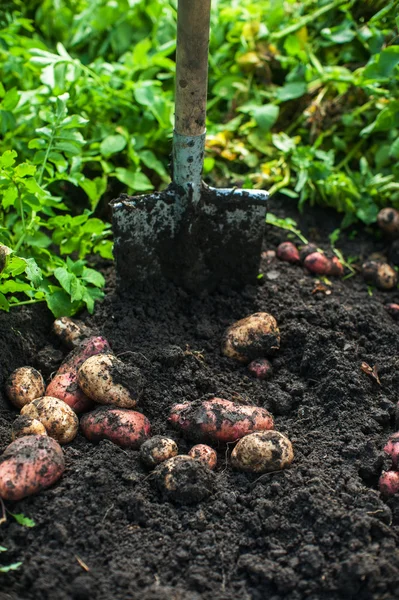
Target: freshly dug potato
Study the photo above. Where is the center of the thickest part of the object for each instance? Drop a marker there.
(123, 427)
(24, 385)
(204, 454)
(260, 368)
(157, 449)
(4, 252)
(393, 310)
(65, 383)
(24, 425)
(255, 336)
(317, 263)
(70, 332)
(28, 465)
(392, 449)
(382, 275)
(107, 380)
(58, 418)
(288, 252)
(184, 480)
(262, 452)
(306, 250)
(388, 221)
(219, 420)
(336, 268)
(389, 483)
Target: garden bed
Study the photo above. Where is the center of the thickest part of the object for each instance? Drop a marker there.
(317, 530)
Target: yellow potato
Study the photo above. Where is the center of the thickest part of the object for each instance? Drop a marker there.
(58, 418)
(262, 452)
(24, 385)
(255, 336)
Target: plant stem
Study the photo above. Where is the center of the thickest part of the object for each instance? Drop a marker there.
(27, 302)
(350, 155)
(49, 147)
(306, 19)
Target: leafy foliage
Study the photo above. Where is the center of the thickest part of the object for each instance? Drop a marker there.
(304, 100)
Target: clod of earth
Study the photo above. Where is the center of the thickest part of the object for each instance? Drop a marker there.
(204, 454)
(29, 465)
(59, 420)
(24, 425)
(107, 380)
(262, 452)
(157, 449)
(255, 336)
(382, 275)
(123, 427)
(184, 480)
(24, 385)
(219, 420)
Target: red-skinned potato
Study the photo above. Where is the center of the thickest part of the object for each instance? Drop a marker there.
(107, 380)
(262, 452)
(255, 336)
(392, 449)
(24, 425)
(58, 418)
(260, 368)
(157, 449)
(388, 221)
(306, 250)
(388, 483)
(204, 454)
(382, 275)
(393, 310)
(288, 252)
(28, 465)
(336, 268)
(219, 420)
(317, 263)
(123, 427)
(70, 332)
(65, 383)
(24, 385)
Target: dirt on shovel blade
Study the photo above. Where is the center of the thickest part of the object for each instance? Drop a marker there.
(316, 531)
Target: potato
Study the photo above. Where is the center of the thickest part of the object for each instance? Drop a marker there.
(107, 380)
(288, 252)
(388, 221)
(123, 427)
(306, 250)
(392, 449)
(70, 332)
(219, 420)
(255, 336)
(262, 452)
(28, 465)
(393, 310)
(4, 252)
(205, 454)
(183, 480)
(157, 449)
(58, 418)
(382, 275)
(317, 263)
(389, 483)
(24, 425)
(24, 385)
(260, 368)
(336, 268)
(65, 383)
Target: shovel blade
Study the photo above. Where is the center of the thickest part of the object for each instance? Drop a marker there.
(217, 241)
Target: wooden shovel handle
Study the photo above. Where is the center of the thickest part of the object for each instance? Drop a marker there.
(192, 66)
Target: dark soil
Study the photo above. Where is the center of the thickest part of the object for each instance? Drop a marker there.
(318, 530)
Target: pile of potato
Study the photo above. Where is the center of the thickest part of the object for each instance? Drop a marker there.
(93, 380)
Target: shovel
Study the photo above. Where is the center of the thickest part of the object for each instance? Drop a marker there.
(192, 234)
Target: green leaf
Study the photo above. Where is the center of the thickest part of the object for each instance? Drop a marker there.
(9, 196)
(265, 116)
(24, 169)
(4, 305)
(10, 100)
(33, 272)
(12, 567)
(137, 181)
(94, 277)
(112, 144)
(22, 520)
(292, 90)
(8, 159)
(59, 302)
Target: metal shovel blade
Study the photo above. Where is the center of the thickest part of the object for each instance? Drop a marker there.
(217, 240)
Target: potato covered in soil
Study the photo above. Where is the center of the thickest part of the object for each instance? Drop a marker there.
(306, 250)
(388, 483)
(24, 385)
(388, 221)
(4, 252)
(219, 420)
(393, 310)
(184, 480)
(317, 263)
(382, 275)
(123, 427)
(260, 368)
(28, 465)
(336, 268)
(107, 380)
(288, 252)
(70, 332)
(157, 449)
(59, 420)
(262, 452)
(65, 383)
(24, 425)
(255, 336)
(392, 449)
(204, 454)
